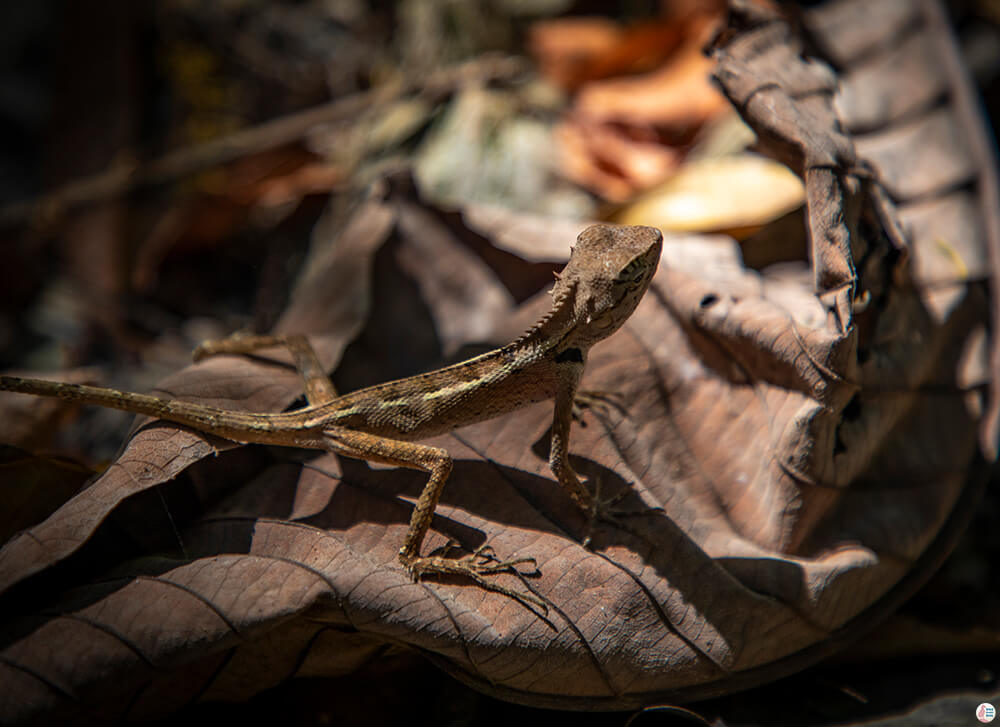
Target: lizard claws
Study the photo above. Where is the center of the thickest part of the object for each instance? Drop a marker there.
(600, 401)
(481, 562)
(604, 510)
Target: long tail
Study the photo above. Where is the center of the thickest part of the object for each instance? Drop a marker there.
(196, 416)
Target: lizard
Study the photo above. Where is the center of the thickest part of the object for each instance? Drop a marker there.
(609, 269)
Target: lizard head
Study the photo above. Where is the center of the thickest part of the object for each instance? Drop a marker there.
(607, 274)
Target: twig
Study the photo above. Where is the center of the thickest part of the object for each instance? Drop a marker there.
(123, 178)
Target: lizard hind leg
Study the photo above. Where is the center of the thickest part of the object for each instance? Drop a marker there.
(481, 564)
(318, 387)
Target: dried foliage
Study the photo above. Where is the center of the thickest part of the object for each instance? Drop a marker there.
(802, 444)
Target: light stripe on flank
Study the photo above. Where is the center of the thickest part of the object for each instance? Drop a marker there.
(391, 403)
(453, 389)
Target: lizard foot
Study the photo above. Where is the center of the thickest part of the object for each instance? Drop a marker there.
(605, 510)
(599, 401)
(478, 565)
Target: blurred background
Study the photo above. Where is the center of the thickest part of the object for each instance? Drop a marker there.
(163, 165)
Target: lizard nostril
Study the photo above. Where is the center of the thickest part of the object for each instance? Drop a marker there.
(709, 300)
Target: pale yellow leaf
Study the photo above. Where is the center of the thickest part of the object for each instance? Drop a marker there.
(735, 194)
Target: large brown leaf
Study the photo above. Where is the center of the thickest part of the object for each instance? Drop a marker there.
(810, 433)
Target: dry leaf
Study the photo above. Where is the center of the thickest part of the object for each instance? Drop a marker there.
(574, 51)
(609, 160)
(806, 433)
(677, 96)
(626, 134)
(734, 194)
(34, 487)
(221, 202)
(564, 48)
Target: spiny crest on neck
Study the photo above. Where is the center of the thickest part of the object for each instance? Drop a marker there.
(562, 304)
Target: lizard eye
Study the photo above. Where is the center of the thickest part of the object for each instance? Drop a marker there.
(631, 274)
(625, 274)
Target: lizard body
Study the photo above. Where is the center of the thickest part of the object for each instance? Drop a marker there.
(608, 272)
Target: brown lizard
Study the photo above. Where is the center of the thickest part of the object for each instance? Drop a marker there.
(608, 272)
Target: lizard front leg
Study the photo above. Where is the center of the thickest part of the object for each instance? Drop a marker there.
(437, 463)
(596, 508)
(570, 371)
